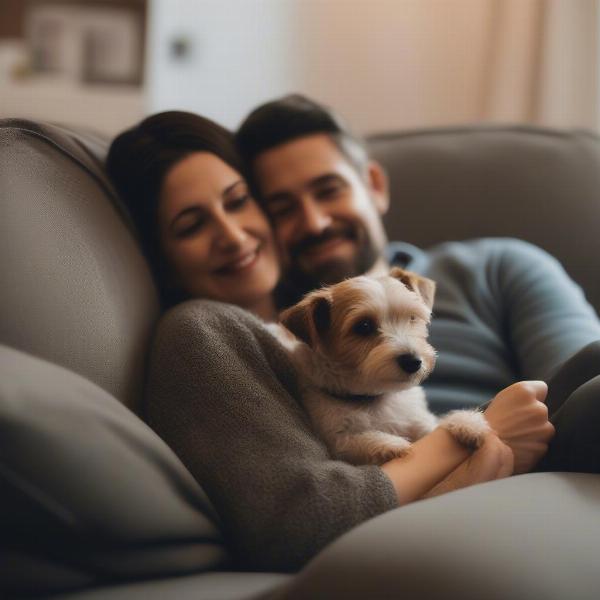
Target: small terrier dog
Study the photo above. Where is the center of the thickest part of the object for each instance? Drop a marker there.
(362, 351)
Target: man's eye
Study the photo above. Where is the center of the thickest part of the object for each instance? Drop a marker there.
(329, 191)
(280, 209)
(364, 327)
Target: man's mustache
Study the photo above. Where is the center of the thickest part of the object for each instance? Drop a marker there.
(311, 241)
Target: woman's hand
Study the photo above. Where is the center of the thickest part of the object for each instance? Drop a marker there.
(437, 464)
(520, 418)
(493, 460)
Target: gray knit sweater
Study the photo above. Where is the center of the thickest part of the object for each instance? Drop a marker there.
(224, 396)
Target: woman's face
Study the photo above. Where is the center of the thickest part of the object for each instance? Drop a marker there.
(216, 240)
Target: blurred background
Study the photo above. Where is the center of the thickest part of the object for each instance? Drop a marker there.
(384, 64)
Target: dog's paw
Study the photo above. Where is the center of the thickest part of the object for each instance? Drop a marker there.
(469, 427)
(371, 448)
(397, 448)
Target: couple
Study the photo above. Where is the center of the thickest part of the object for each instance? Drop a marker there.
(253, 222)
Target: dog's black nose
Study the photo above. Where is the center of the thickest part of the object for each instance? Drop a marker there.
(409, 363)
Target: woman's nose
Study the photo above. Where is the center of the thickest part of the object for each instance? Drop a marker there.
(230, 233)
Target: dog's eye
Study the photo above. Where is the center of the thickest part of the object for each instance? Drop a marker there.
(364, 327)
(413, 318)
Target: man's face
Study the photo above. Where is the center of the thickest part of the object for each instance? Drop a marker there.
(326, 216)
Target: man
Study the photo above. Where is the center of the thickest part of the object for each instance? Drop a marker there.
(504, 309)
(323, 193)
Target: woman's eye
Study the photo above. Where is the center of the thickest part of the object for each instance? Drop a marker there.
(188, 230)
(364, 327)
(238, 203)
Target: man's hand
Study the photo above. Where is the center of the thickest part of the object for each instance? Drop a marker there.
(520, 418)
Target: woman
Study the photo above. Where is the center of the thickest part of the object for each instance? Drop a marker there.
(223, 394)
(203, 233)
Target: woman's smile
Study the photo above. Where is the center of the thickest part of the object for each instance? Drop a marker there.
(240, 264)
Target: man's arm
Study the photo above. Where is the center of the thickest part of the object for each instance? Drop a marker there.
(548, 317)
(505, 311)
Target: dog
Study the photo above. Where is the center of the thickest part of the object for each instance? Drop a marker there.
(361, 350)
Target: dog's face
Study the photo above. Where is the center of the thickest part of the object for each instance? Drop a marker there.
(370, 332)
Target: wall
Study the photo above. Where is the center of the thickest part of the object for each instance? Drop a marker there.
(106, 99)
(235, 55)
(392, 64)
(382, 63)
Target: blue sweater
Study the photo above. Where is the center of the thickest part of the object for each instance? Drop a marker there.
(504, 311)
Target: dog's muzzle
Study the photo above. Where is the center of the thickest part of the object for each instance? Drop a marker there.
(409, 363)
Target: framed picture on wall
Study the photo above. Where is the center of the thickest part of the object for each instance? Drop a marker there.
(112, 47)
(89, 42)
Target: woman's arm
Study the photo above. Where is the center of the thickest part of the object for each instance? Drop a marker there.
(438, 464)
(493, 460)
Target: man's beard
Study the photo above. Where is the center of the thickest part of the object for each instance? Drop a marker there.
(334, 270)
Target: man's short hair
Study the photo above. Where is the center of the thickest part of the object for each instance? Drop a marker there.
(295, 116)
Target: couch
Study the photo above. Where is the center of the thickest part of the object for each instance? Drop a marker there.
(95, 506)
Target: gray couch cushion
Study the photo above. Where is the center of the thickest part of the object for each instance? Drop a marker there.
(533, 536)
(92, 494)
(536, 184)
(75, 287)
(208, 586)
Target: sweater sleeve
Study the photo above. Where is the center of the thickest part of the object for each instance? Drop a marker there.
(505, 310)
(547, 316)
(223, 395)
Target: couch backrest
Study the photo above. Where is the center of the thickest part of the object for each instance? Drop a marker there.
(537, 184)
(75, 289)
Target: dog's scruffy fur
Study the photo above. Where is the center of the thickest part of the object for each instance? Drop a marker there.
(362, 351)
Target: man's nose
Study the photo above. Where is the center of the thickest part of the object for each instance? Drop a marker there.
(314, 219)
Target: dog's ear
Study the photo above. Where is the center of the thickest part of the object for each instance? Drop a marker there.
(422, 286)
(309, 320)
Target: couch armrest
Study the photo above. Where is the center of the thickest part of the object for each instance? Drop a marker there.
(530, 536)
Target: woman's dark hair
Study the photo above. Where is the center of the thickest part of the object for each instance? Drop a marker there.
(140, 157)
